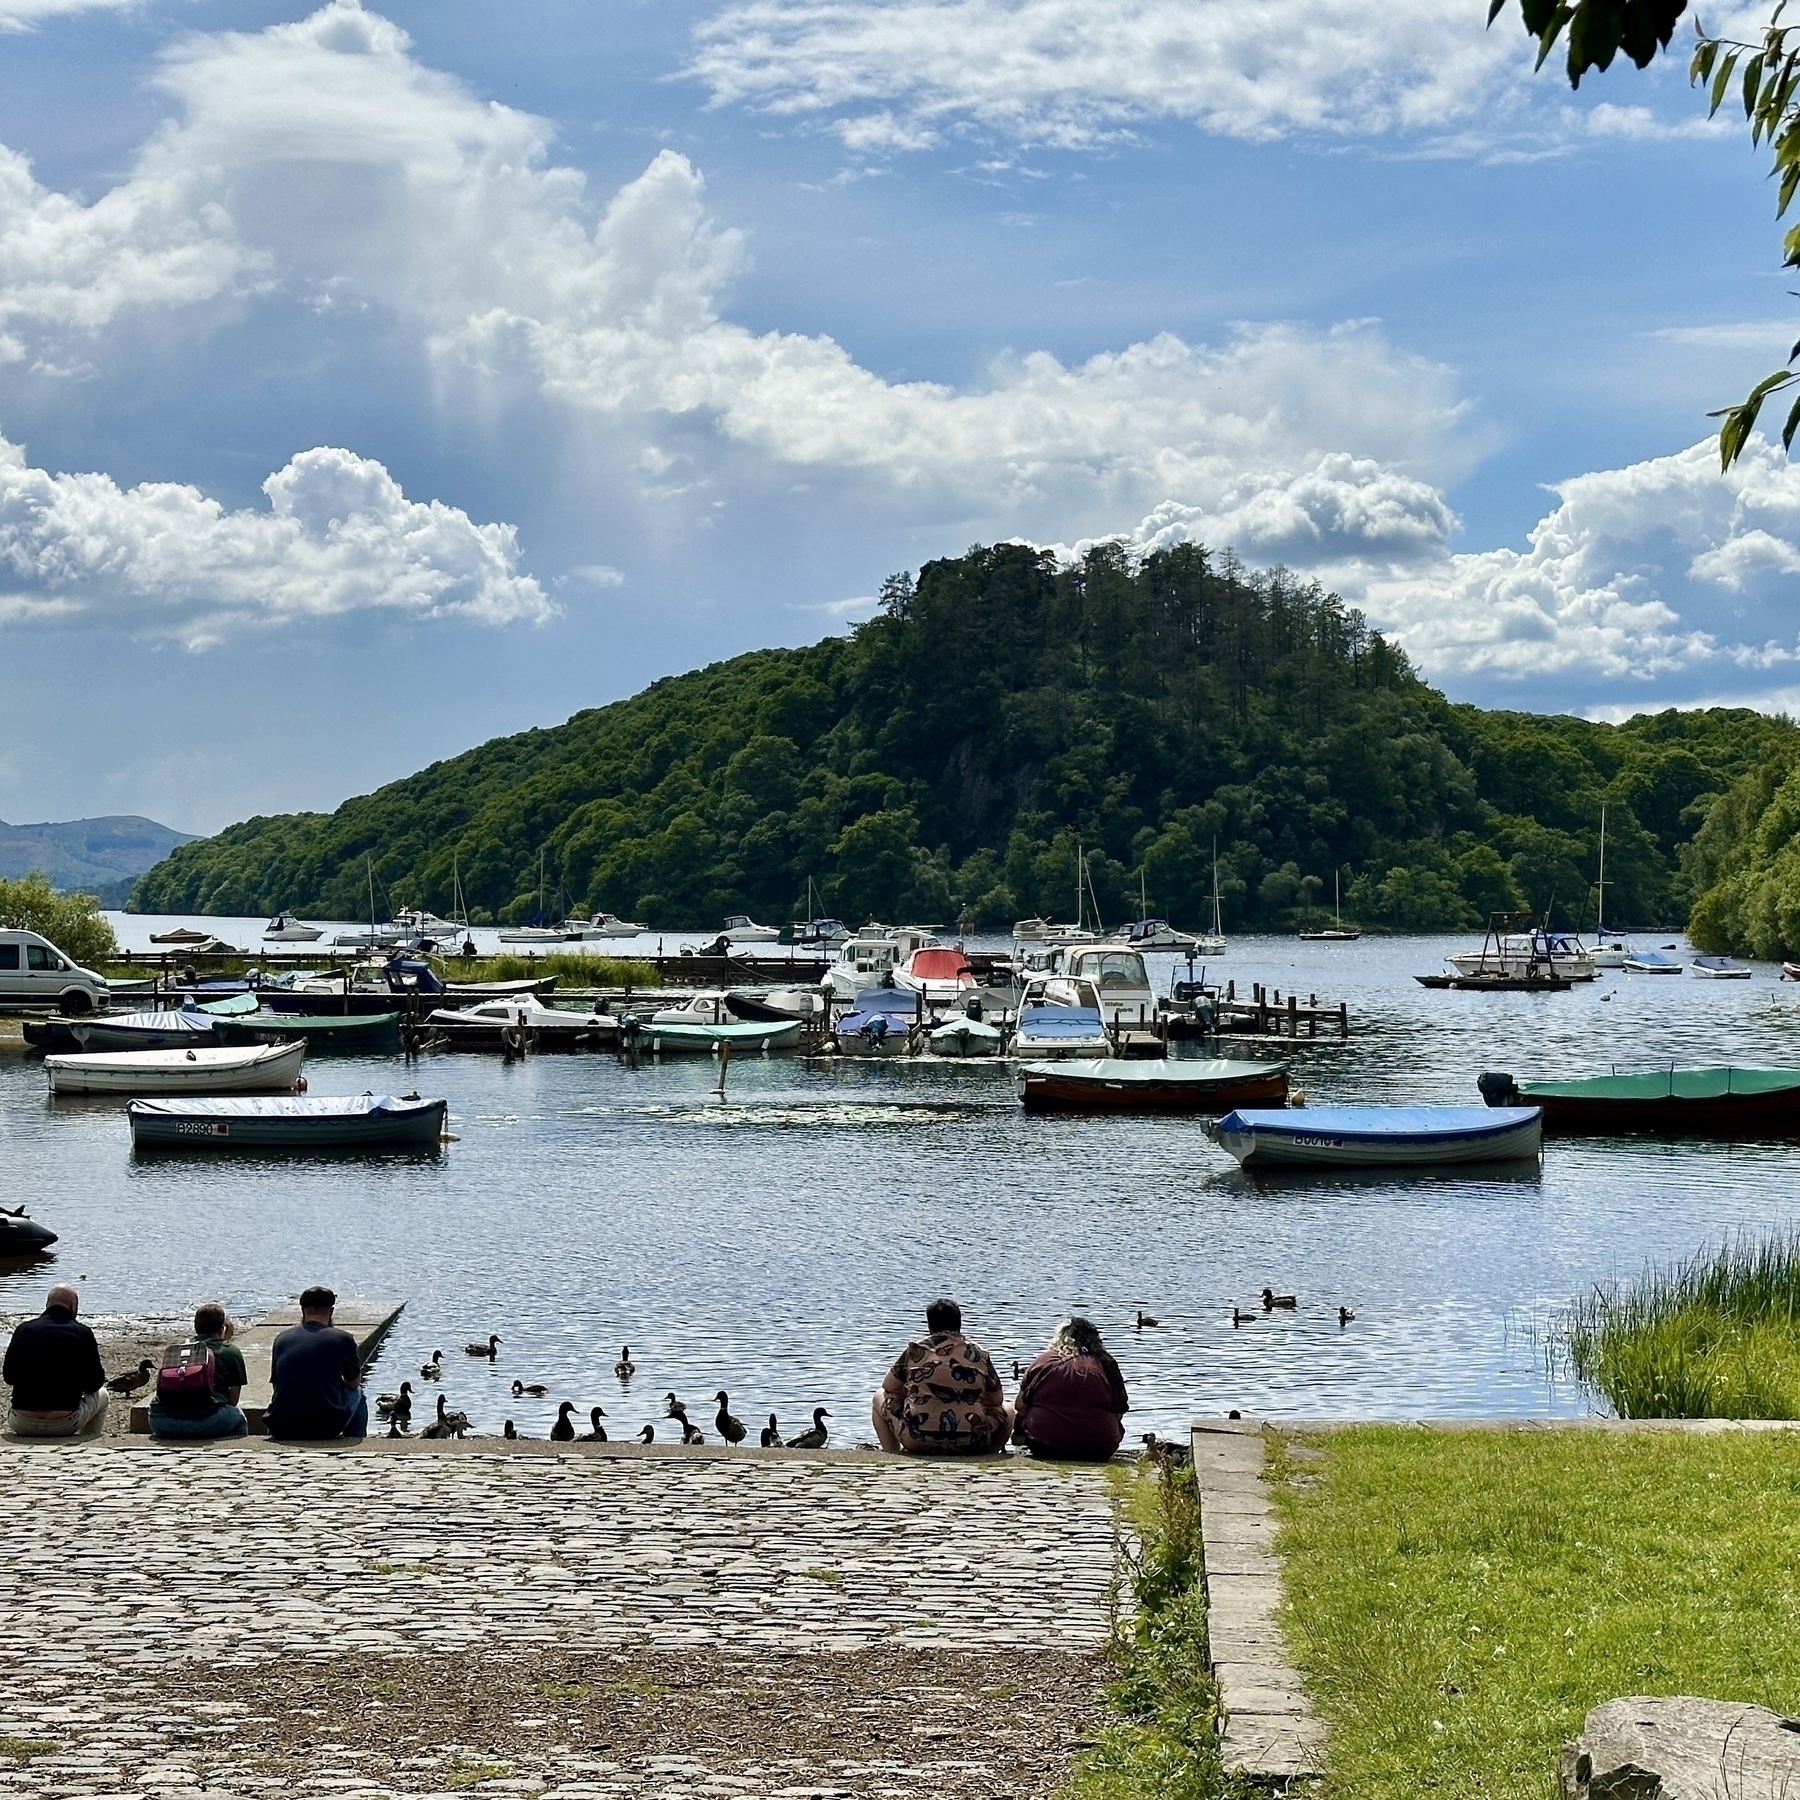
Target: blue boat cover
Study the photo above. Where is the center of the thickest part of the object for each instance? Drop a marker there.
(1047, 1023)
(280, 1106)
(153, 1021)
(1654, 959)
(1379, 1121)
(887, 1000)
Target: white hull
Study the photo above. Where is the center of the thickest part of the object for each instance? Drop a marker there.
(534, 934)
(266, 1069)
(1566, 968)
(1721, 974)
(1328, 1142)
(753, 934)
(293, 934)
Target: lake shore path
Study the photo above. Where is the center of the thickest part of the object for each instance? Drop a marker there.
(407, 1618)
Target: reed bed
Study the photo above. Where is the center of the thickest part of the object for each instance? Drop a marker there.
(576, 971)
(1715, 1337)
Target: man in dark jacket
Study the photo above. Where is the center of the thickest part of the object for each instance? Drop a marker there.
(53, 1368)
(317, 1377)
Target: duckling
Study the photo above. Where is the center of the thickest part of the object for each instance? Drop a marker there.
(563, 1432)
(395, 1428)
(690, 1432)
(458, 1423)
(625, 1368)
(814, 1439)
(598, 1434)
(132, 1379)
(771, 1434)
(1243, 1318)
(490, 1349)
(1271, 1300)
(647, 1435)
(1144, 1320)
(433, 1370)
(1345, 1315)
(535, 1389)
(730, 1429)
(511, 1431)
(399, 1404)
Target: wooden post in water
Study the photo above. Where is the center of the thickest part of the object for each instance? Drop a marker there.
(1343, 1018)
(1293, 1015)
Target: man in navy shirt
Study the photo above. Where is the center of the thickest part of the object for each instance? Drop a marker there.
(317, 1377)
(53, 1368)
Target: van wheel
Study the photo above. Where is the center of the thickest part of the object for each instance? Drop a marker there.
(73, 1002)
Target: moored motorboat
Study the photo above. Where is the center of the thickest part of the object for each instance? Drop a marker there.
(967, 1034)
(1534, 952)
(606, 925)
(1154, 934)
(183, 937)
(1151, 1085)
(284, 928)
(20, 1236)
(1107, 976)
(487, 1024)
(1338, 1137)
(740, 928)
(252, 1069)
(357, 1122)
(1047, 1028)
(879, 1023)
(942, 975)
(1652, 962)
(123, 1031)
(1721, 968)
(1721, 1102)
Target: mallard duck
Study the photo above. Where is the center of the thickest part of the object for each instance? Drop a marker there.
(1271, 1300)
(730, 1429)
(771, 1434)
(1243, 1318)
(598, 1434)
(132, 1379)
(511, 1431)
(400, 1403)
(625, 1368)
(490, 1349)
(535, 1389)
(440, 1427)
(395, 1428)
(1346, 1314)
(563, 1432)
(433, 1370)
(1145, 1320)
(675, 1409)
(814, 1439)
(690, 1432)
(647, 1435)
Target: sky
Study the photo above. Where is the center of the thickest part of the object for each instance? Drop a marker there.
(378, 379)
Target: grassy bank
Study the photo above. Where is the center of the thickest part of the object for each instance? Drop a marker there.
(1716, 1337)
(1458, 1600)
(570, 971)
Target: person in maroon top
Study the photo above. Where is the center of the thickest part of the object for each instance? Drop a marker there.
(1072, 1403)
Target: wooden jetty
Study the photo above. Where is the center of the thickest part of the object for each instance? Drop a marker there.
(1267, 1015)
(368, 1319)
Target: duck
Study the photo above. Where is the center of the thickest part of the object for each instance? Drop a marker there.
(647, 1435)
(1271, 1300)
(399, 1404)
(730, 1429)
(132, 1379)
(625, 1368)
(563, 1431)
(535, 1389)
(1017, 1371)
(814, 1439)
(491, 1349)
(1145, 1320)
(598, 1434)
(511, 1431)
(1346, 1314)
(1243, 1318)
(676, 1409)
(440, 1426)
(691, 1433)
(458, 1422)
(771, 1434)
(395, 1428)
(433, 1370)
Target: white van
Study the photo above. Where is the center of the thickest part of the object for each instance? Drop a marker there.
(34, 971)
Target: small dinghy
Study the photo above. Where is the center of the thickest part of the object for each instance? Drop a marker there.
(1716, 1102)
(1154, 1085)
(258, 1069)
(1363, 1137)
(1721, 968)
(123, 1031)
(358, 1122)
(354, 1031)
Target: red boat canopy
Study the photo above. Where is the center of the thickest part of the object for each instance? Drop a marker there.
(940, 965)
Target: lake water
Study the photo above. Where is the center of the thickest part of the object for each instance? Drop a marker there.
(782, 1244)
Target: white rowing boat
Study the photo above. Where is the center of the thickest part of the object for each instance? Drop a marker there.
(252, 1069)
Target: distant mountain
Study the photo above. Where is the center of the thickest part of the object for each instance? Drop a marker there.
(99, 856)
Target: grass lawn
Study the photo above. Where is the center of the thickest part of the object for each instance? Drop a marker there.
(1458, 1600)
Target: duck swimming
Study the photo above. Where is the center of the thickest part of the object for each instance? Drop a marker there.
(535, 1389)
(1271, 1300)
(491, 1349)
(625, 1368)
(433, 1370)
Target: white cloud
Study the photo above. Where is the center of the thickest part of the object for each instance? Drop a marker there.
(22, 15)
(164, 560)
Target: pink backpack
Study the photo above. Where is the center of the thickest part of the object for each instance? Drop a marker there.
(187, 1372)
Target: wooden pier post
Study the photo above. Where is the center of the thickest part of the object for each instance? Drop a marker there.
(1343, 1018)
(1293, 1015)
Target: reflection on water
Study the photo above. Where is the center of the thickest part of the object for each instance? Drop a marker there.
(782, 1242)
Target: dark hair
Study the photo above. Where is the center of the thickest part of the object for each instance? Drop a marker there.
(1084, 1334)
(317, 1299)
(209, 1320)
(943, 1315)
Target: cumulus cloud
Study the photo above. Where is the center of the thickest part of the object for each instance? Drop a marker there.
(320, 156)
(165, 560)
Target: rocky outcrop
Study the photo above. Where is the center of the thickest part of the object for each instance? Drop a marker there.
(1683, 1749)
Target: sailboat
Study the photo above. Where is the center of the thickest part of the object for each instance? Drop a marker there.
(1212, 943)
(1610, 951)
(1146, 933)
(537, 932)
(1335, 933)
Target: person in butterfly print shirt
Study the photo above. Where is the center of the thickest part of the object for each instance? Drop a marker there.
(943, 1395)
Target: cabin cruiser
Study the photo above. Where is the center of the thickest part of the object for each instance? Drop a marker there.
(1611, 951)
(606, 925)
(1155, 934)
(872, 954)
(525, 1010)
(740, 928)
(880, 1023)
(284, 928)
(1538, 952)
(1059, 1018)
(1116, 978)
(815, 934)
(943, 976)
(413, 921)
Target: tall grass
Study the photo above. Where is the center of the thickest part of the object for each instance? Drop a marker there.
(578, 971)
(1716, 1337)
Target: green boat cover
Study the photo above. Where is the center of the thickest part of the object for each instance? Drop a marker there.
(1665, 1084)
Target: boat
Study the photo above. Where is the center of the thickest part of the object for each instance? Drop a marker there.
(1048, 1027)
(777, 1003)
(740, 1034)
(967, 1034)
(606, 925)
(284, 928)
(184, 937)
(1112, 976)
(358, 1122)
(1155, 934)
(371, 937)
(1046, 931)
(1721, 968)
(185, 1030)
(1348, 1137)
(942, 975)
(252, 1069)
(535, 934)
(341, 1032)
(1212, 942)
(740, 928)
(1497, 981)
(1534, 952)
(20, 1236)
(1153, 1085)
(871, 955)
(484, 1025)
(879, 1023)
(816, 934)
(228, 1006)
(1701, 1102)
(1610, 951)
(1335, 932)
(1652, 962)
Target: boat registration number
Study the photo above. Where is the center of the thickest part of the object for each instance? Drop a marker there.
(1319, 1143)
(202, 1128)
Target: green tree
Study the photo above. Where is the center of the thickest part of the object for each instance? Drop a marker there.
(72, 922)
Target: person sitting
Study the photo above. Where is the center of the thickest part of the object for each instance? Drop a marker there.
(317, 1377)
(1071, 1402)
(179, 1410)
(943, 1396)
(54, 1370)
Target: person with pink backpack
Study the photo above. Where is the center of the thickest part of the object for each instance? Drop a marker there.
(198, 1385)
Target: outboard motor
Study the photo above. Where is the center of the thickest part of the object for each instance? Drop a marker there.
(1497, 1089)
(972, 1007)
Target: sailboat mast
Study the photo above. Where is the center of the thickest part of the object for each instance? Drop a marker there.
(1600, 886)
(1216, 931)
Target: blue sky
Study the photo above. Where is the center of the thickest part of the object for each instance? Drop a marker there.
(375, 380)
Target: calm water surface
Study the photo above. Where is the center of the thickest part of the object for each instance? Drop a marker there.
(782, 1243)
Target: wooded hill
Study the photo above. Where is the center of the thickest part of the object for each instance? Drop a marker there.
(943, 762)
